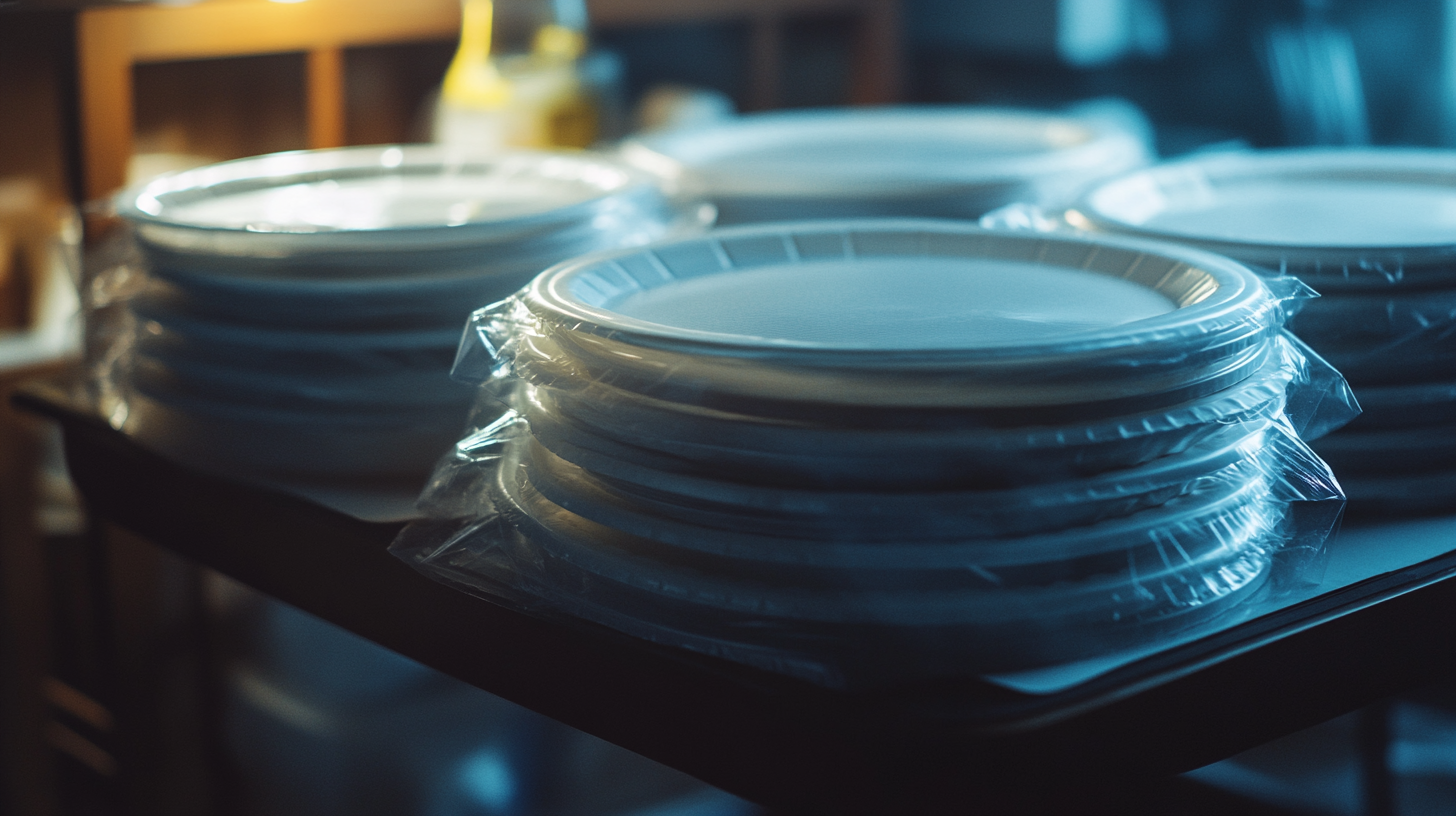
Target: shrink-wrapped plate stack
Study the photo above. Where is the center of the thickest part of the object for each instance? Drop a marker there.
(1374, 231)
(873, 450)
(301, 310)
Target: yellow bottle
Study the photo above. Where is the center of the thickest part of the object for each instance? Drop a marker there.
(491, 101)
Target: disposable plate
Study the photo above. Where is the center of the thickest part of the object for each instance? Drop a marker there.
(1339, 219)
(389, 199)
(895, 315)
(679, 508)
(933, 629)
(607, 429)
(943, 162)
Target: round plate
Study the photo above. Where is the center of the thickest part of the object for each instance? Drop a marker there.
(327, 392)
(896, 315)
(265, 351)
(1339, 219)
(948, 626)
(1221, 521)
(384, 199)
(413, 303)
(606, 429)
(683, 507)
(1371, 319)
(943, 162)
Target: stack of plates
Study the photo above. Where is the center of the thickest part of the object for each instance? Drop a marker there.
(303, 309)
(1374, 231)
(935, 162)
(911, 447)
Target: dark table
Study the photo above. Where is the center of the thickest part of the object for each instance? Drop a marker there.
(794, 747)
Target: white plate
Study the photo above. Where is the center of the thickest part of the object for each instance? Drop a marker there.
(674, 508)
(897, 314)
(914, 582)
(325, 392)
(909, 161)
(385, 199)
(615, 427)
(1340, 219)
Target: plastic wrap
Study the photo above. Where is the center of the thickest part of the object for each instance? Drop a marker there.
(858, 515)
(294, 317)
(1368, 230)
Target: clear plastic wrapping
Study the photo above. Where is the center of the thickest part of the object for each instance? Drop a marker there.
(944, 161)
(858, 515)
(294, 317)
(1366, 228)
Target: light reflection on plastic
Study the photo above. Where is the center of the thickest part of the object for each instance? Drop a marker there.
(487, 778)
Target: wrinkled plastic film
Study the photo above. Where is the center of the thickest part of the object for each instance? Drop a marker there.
(979, 618)
(1385, 319)
(925, 544)
(309, 352)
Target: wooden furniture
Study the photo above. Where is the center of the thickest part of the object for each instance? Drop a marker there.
(112, 39)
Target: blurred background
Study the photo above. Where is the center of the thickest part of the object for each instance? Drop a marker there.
(151, 686)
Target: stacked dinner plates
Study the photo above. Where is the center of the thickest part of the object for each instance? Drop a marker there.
(849, 163)
(891, 448)
(1374, 231)
(303, 309)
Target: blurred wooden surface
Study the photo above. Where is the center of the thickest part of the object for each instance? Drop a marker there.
(112, 40)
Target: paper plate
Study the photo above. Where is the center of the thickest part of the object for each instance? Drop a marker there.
(293, 353)
(406, 298)
(1339, 219)
(605, 429)
(325, 392)
(674, 508)
(887, 162)
(384, 199)
(895, 315)
(1420, 357)
(1373, 319)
